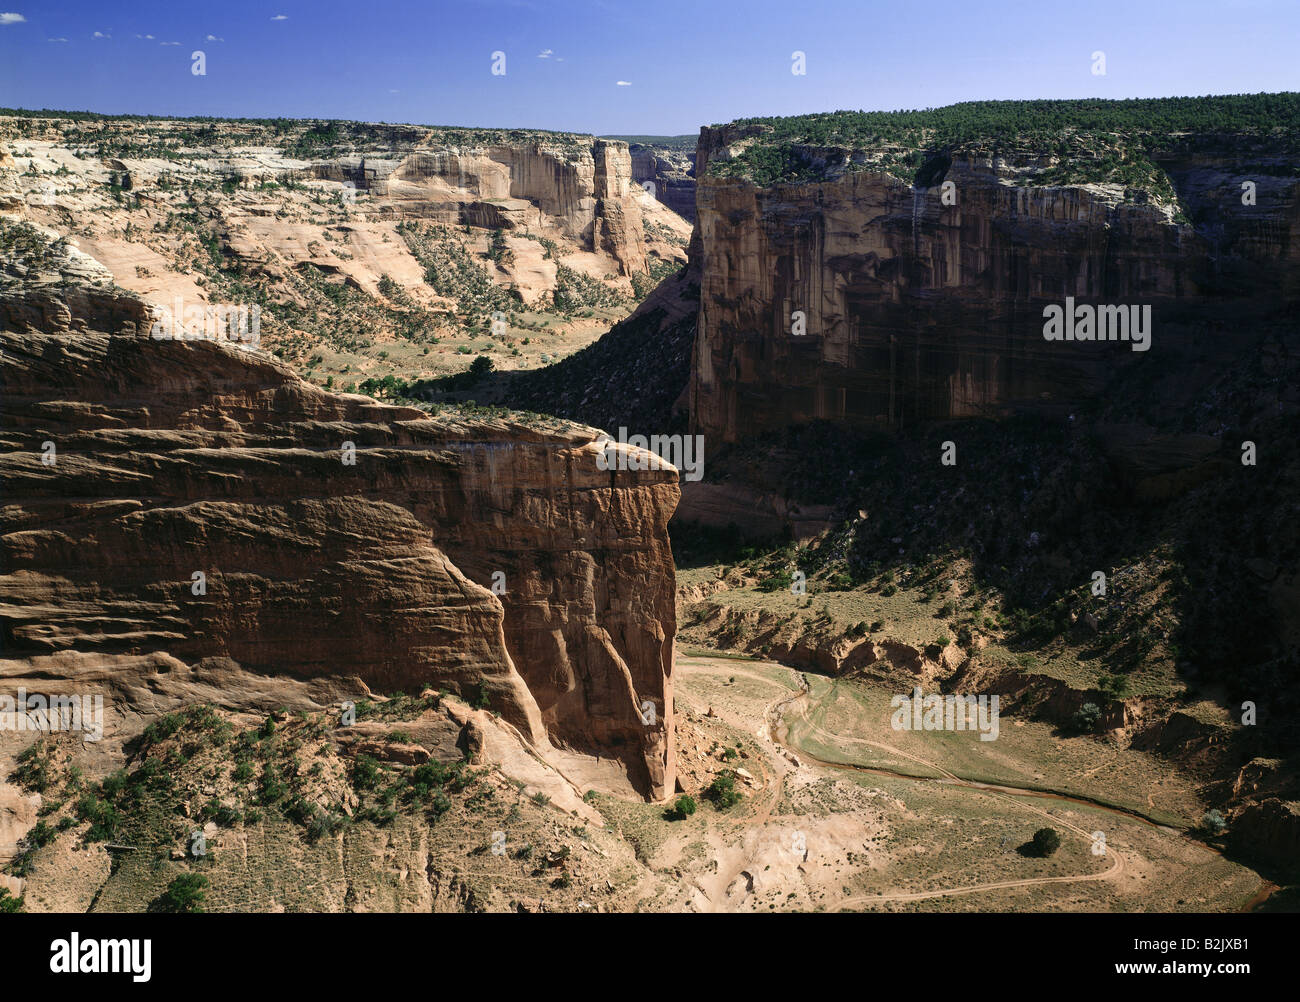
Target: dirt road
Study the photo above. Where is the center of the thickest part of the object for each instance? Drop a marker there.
(776, 730)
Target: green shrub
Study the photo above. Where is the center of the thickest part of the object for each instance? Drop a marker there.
(1214, 823)
(104, 818)
(272, 787)
(33, 772)
(184, 894)
(1086, 718)
(779, 581)
(722, 791)
(163, 728)
(1046, 841)
(440, 804)
(40, 835)
(431, 774)
(114, 784)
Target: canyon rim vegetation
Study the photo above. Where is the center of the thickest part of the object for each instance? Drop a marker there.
(845, 511)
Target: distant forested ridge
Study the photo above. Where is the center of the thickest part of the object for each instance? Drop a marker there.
(683, 143)
(120, 135)
(1124, 134)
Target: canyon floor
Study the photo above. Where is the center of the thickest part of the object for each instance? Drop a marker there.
(838, 811)
(846, 813)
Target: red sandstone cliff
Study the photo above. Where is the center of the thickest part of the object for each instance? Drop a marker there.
(171, 458)
(916, 309)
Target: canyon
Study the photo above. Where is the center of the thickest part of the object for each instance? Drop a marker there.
(238, 551)
(855, 305)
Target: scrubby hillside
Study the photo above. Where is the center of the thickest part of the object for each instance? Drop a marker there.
(635, 376)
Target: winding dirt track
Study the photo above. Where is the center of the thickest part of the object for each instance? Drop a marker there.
(775, 730)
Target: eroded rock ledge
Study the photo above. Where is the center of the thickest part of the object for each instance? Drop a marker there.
(171, 458)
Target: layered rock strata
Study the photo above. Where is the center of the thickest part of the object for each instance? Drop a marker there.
(179, 510)
(585, 190)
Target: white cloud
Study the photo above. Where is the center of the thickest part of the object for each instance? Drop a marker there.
(213, 38)
(545, 54)
(100, 34)
(169, 43)
(280, 17)
(625, 83)
(393, 90)
(12, 19)
(56, 39)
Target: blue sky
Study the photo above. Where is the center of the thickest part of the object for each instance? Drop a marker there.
(682, 64)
